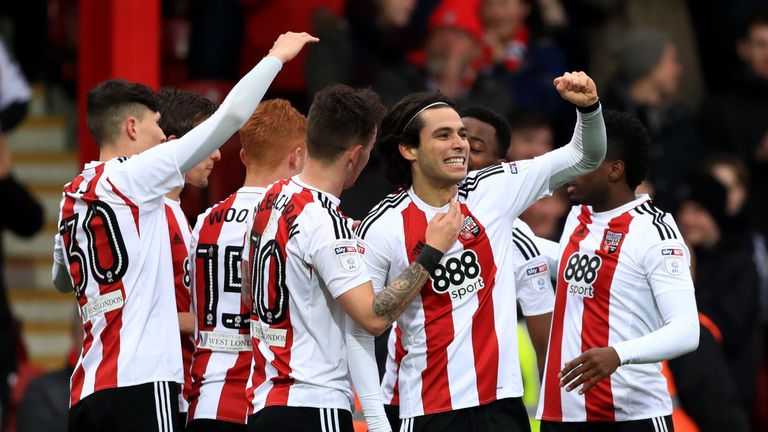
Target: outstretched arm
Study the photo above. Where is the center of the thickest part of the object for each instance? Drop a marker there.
(586, 150)
(239, 103)
(238, 106)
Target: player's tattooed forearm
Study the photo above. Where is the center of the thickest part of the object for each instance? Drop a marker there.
(396, 297)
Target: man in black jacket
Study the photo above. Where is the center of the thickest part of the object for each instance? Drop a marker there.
(22, 215)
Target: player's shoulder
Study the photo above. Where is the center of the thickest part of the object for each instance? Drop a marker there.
(653, 223)
(381, 213)
(322, 213)
(475, 179)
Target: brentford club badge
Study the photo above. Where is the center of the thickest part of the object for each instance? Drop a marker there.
(611, 241)
(469, 228)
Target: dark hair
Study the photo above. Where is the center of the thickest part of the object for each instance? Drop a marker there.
(339, 117)
(758, 18)
(499, 123)
(182, 110)
(397, 170)
(110, 102)
(628, 141)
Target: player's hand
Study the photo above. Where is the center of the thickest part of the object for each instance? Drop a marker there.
(577, 88)
(589, 368)
(444, 228)
(288, 45)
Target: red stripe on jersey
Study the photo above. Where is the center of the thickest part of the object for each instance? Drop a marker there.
(553, 409)
(78, 376)
(233, 406)
(400, 352)
(179, 255)
(134, 208)
(209, 234)
(438, 321)
(106, 372)
(260, 220)
(200, 360)
(595, 323)
(281, 384)
(485, 343)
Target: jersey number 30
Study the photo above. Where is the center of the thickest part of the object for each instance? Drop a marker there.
(107, 257)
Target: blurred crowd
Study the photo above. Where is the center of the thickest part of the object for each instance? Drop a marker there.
(694, 72)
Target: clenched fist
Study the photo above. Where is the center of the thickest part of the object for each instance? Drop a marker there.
(577, 88)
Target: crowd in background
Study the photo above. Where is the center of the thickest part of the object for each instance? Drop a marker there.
(694, 72)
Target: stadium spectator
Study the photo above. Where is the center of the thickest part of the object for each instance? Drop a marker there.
(180, 111)
(381, 35)
(14, 92)
(726, 280)
(128, 380)
(624, 302)
(462, 321)
(517, 56)
(273, 148)
(304, 271)
(25, 220)
(647, 82)
(733, 121)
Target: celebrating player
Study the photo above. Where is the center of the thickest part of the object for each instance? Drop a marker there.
(624, 300)
(489, 136)
(274, 148)
(305, 271)
(461, 368)
(180, 111)
(113, 248)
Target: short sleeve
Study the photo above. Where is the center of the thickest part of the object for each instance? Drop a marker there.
(58, 250)
(148, 175)
(377, 253)
(338, 261)
(532, 271)
(534, 286)
(667, 264)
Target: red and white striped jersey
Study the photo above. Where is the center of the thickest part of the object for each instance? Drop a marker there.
(302, 255)
(222, 362)
(612, 266)
(113, 238)
(460, 333)
(180, 234)
(535, 295)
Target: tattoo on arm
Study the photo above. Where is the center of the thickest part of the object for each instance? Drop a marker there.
(245, 284)
(395, 297)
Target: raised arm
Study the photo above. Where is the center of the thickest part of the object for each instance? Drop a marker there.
(239, 104)
(586, 150)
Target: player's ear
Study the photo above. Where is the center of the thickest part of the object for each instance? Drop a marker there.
(617, 170)
(242, 156)
(131, 127)
(355, 153)
(295, 157)
(408, 152)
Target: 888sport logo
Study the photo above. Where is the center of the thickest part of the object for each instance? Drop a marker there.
(459, 275)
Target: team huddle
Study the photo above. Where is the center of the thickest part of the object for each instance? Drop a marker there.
(262, 316)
